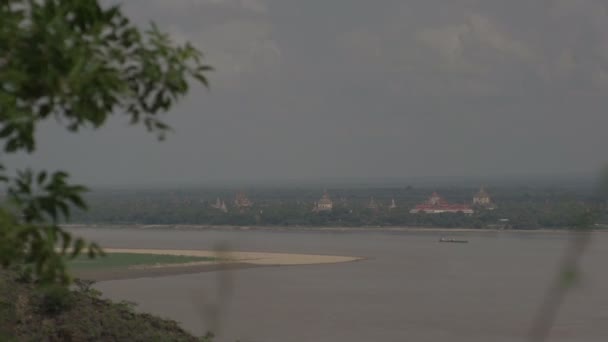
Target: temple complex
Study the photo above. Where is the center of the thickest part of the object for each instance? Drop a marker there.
(324, 204)
(437, 205)
(483, 200)
(241, 201)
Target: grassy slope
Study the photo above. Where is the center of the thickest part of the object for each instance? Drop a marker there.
(28, 313)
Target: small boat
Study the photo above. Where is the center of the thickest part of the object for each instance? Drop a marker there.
(453, 240)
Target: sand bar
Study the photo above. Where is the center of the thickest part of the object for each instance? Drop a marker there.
(228, 261)
(253, 258)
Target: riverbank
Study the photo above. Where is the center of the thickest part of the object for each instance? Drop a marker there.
(193, 227)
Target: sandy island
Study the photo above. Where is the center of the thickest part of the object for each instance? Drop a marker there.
(255, 258)
(226, 260)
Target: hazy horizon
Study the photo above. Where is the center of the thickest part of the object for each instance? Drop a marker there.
(563, 181)
(311, 90)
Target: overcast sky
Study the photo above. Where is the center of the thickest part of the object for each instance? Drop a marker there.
(311, 89)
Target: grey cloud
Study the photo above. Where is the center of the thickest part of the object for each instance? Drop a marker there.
(494, 47)
(359, 88)
(235, 34)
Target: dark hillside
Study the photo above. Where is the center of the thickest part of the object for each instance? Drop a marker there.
(30, 313)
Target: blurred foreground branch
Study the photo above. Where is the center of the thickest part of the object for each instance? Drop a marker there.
(568, 275)
(77, 62)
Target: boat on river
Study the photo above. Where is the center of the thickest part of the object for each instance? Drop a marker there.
(443, 239)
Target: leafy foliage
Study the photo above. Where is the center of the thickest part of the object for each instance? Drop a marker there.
(77, 62)
(55, 299)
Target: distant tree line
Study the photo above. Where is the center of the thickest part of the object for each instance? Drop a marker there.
(517, 207)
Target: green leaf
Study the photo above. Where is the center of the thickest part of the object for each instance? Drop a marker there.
(202, 79)
(66, 240)
(41, 177)
(78, 201)
(77, 248)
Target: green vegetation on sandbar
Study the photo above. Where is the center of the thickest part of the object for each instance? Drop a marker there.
(124, 260)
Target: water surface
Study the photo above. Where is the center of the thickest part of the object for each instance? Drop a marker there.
(411, 288)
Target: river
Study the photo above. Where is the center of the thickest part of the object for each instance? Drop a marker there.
(409, 287)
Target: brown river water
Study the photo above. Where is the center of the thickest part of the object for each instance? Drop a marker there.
(409, 287)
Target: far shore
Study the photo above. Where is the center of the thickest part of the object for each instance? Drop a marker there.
(315, 229)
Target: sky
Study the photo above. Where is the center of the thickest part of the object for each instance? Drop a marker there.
(318, 89)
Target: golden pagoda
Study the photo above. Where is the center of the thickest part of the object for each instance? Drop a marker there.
(482, 199)
(324, 204)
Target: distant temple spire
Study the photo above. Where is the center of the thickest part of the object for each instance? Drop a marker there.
(241, 201)
(219, 205)
(393, 205)
(372, 204)
(324, 204)
(483, 200)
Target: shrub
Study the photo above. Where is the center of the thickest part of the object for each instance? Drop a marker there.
(55, 299)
